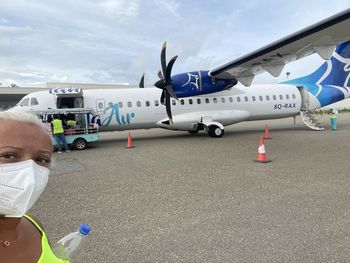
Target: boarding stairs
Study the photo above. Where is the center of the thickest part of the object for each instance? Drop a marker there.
(309, 118)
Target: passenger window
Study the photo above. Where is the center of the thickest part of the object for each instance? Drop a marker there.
(190, 101)
(129, 104)
(156, 103)
(206, 100)
(261, 98)
(293, 96)
(287, 96)
(100, 106)
(182, 102)
(138, 103)
(245, 98)
(267, 97)
(215, 100)
(238, 99)
(147, 103)
(274, 97)
(120, 104)
(222, 99)
(253, 98)
(110, 104)
(199, 101)
(173, 102)
(25, 102)
(33, 102)
(230, 99)
(281, 97)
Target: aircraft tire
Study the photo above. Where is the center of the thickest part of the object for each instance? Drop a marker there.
(80, 144)
(215, 131)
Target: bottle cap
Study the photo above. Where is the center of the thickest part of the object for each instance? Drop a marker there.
(84, 229)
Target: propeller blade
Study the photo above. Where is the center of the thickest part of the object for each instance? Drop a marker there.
(169, 68)
(164, 82)
(160, 84)
(142, 81)
(162, 97)
(163, 58)
(168, 107)
(170, 91)
(160, 75)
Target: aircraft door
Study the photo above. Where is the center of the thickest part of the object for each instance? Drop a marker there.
(100, 106)
(68, 97)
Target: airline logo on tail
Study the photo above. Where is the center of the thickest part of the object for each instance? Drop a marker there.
(329, 83)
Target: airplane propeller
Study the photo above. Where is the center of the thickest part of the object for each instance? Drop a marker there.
(164, 83)
(142, 81)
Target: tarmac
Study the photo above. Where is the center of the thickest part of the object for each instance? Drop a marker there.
(178, 197)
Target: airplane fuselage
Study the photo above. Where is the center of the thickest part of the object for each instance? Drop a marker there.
(133, 108)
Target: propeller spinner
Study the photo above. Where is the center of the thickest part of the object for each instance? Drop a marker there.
(164, 83)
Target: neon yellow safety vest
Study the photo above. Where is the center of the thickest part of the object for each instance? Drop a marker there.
(71, 123)
(47, 256)
(57, 126)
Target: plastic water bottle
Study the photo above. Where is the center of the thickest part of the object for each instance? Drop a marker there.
(67, 247)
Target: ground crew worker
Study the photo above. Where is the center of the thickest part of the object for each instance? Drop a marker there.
(71, 123)
(58, 133)
(334, 121)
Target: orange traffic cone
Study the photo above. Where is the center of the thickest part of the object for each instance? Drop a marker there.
(267, 134)
(130, 145)
(261, 153)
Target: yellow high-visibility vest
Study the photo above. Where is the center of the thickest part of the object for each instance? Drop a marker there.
(71, 123)
(57, 126)
(47, 256)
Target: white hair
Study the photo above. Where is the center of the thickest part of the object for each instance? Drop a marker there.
(15, 114)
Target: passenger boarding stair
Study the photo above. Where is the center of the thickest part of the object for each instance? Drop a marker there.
(310, 120)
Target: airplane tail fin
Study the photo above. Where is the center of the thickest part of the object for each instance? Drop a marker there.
(330, 82)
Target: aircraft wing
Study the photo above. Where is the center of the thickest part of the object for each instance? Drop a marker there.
(321, 38)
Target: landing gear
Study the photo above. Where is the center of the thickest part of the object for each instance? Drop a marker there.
(197, 128)
(215, 131)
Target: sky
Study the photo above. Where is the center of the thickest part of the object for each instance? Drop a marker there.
(115, 41)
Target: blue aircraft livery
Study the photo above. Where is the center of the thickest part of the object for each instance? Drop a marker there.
(198, 83)
(330, 82)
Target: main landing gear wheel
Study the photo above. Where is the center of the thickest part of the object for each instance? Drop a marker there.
(79, 144)
(215, 131)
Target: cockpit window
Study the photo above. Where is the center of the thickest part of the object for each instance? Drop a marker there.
(24, 102)
(34, 102)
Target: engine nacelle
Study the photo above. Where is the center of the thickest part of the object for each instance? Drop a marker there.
(198, 83)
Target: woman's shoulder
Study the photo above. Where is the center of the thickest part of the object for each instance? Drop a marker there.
(33, 219)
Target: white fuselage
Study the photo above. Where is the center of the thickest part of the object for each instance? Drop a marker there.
(135, 108)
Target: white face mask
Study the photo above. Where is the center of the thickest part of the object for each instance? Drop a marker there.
(21, 184)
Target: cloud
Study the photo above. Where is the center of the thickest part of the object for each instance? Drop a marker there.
(171, 6)
(115, 41)
(120, 7)
(15, 30)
